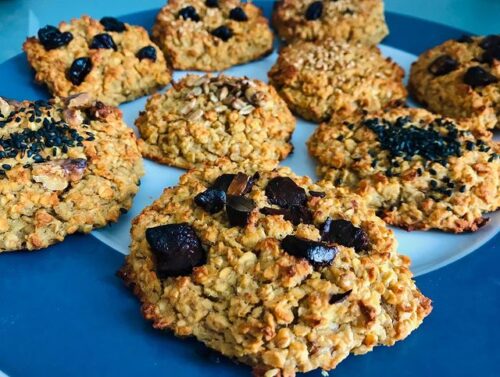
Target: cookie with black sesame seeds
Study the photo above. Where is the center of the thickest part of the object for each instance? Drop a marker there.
(461, 79)
(202, 118)
(212, 35)
(343, 20)
(66, 166)
(282, 294)
(318, 79)
(417, 169)
(112, 61)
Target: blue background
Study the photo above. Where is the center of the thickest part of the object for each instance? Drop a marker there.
(63, 311)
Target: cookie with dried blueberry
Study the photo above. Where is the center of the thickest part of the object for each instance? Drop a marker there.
(349, 21)
(318, 79)
(66, 165)
(417, 169)
(212, 35)
(112, 61)
(202, 118)
(461, 79)
(283, 295)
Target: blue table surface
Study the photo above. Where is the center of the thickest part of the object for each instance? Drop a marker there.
(466, 294)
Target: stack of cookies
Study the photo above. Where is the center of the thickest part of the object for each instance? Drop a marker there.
(260, 264)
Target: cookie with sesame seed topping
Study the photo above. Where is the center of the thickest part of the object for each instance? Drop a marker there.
(112, 61)
(203, 118)
(66, 166)
(343, 20)
(212, 35)
(461, 79)
(318, 79)
(417, 169)
(280, 295)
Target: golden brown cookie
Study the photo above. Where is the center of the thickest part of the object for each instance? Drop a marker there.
(212, 35)
(271, 269)
(318, 79)
(203, 118)
(461, 79)
(66, 166)
(112, 61)
(343, 20)
(417, 169)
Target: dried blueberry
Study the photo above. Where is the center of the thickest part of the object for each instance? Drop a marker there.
(295, 214)
(189, 13)
(238, 14)
(177, 249)
(319, 254)
(51, 37)
(338, 297)
(317, 194)
(490, 41)
(285, 193)
(345, 234)
(148, 52)
(443, 65)
(314, 11)
(211, 200)
(238, 209)
(212, 3)
(103, 40)
(493, 53)
(79, 69)
(477, 77)
(465, 39)
(222, 32)
(112, 24)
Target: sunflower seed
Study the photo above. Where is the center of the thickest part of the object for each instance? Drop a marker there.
(195, 115)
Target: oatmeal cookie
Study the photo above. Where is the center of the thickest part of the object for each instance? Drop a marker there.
(343, 20)
(212, 35)
(272, 270)
(461, 79)
(66, 166)
(203, 118)
(319, 79)
(112, 61)
(418, 169)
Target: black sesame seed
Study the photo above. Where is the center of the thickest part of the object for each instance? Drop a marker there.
(340, 137)
(462, 188)
(432, 171)
(451, 185)
(6, 166)
(448, 192)
(469, 145)
(419, 171)
(433, 183)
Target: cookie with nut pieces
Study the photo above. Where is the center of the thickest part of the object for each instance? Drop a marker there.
(212, 35)
(66, 165)
(461, 79)
(268, 268)
(318, 79)
(202, 118)
(112, 61)
(343, 20)
(417, 169)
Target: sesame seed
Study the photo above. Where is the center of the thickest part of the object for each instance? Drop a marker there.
(6, 166)
(433, 183)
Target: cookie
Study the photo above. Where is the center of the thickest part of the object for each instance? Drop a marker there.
(66, 166)
(343, 20)
(417, 169)
(319, 79)
(461, 79)
(272, 270)
(203, 118)
(112, 61)
(212, 35)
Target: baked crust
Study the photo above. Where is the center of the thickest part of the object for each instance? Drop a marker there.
(115, 77)
(75, 166)
(258, 304)
(415, 193)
